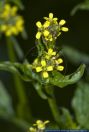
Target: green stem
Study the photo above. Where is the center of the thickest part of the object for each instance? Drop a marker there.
(22, 103)
(53, 105)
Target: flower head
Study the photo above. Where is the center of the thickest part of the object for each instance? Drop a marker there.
(43, 67)
(12, 23)
(39, 125)
(50, 18)
(49, 62)
(50, 29)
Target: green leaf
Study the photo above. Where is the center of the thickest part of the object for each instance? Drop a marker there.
(5, 102)
(78, 56)
(23, 70)
(81, 6)
(80, 104)
(61, 81)
(16, 68)
(67, 120)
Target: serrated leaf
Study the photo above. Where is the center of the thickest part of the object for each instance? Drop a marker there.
(5, 102)
(80, 104)
(61, 81)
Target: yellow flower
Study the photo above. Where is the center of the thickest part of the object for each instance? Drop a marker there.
(38, 126)
(35, 61)
(38, 24)
(31, 129)
(65, 29)
(45, 74)
(51, 15)
(8, 33)
(13, 22)
(50, 53)
(41, 125)
(7, 7)
(60, 68)
(19, 21)
(14, 10)
(43, 63)
(38, 35)
(14, 30)
(6, 11)
(38, 69)
(50, 68)
(3, 27)
(43, 67)
(46, 24)
(62, 22)
(59, 61)
(50, 18)
(46, 33)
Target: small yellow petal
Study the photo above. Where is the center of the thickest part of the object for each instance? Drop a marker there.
(35, 61)
(38, 35)
(50, 15)
(45, 74)
(39, 122)
(60, 60)
(46, 122)
(46, 33)
(14, 10)
(60, 68)
(38, 24)
(62, 22)
(14, 30)
(50, 68)
(47, 56)
(3, 27)
(8, 33)
(54, 53)
(31, 129)
(46, 24)
(7, 7)
(41, 126)
(65, 29)
(55, 19)
(19, 22)
(38, 69)
(50, 51)
(43, 63)
(51, 39)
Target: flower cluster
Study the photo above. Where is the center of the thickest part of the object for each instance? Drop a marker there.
(50, 29)
(47, 63)
(39, 126)
(11, 22)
